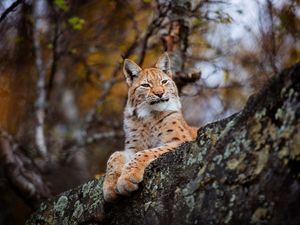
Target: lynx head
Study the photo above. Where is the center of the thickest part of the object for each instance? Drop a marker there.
(151, 90)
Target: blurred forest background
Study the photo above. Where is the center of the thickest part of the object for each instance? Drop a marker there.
(62, 90)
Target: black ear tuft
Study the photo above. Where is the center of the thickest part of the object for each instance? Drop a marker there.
(131, 71)
(164, 64)
(166, 49)
(122, 56)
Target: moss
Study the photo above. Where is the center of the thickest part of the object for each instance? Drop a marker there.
(65, 221)
(295, 148)
(241, 178)
(255, 128)
(96, 195)
(218, 158)
(215, 184)
(147, 205)
(283, 153)
(262, 139)
(228, 217)
(234, 163)
(291, 92)
(228, 127)
(261, 198)
(61, 203)
(178, 190)
(59, 207)
(223, 208)
(43, 206)
(258, 215)
(246, 144)
(50, 219)
(96, 192)
(202, 170)
(263, 157)
(282, 93)
(86, 188)
(162, 176)
(200, 158)
(272, 131)
(232, 199)
(214, 139)
(192, 160)
(220, 193)
(227, 152)
(286, 133)
(204, 150)
(208, 133)
(190, 202)
(77, 203)
(77, 212)
(185, 192)
(279, 114)
(154, 192)
(237, 151)
(217, 204)
(271, 207)
(260, 114)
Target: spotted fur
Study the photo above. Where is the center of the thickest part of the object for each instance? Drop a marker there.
(153, 125)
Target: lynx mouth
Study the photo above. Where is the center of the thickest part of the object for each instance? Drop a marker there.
(159, 101)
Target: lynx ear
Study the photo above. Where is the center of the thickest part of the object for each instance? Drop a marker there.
(131, 71)
(164, 64)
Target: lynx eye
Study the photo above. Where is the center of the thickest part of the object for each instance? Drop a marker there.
(145, 85)
(164, 81)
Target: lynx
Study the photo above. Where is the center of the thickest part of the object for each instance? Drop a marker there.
(153, 125)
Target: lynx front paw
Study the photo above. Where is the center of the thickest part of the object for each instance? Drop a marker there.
(110, 190)
(110, 195)
(128, 181)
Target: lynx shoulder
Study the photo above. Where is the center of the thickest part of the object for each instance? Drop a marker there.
(153, 125)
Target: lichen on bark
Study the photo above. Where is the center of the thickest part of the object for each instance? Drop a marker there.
(244, 169)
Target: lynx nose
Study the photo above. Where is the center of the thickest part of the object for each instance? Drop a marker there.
(159, 93)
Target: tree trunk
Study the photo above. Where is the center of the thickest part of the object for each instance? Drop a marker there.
(244, 169)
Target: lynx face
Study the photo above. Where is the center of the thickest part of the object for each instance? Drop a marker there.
(151, 90)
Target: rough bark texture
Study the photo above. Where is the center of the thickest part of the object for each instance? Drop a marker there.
(244, 169)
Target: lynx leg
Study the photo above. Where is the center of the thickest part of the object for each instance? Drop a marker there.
(113, 172)
(133, 171)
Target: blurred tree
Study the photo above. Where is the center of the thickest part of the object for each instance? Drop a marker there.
(62, 91)
(274, 45)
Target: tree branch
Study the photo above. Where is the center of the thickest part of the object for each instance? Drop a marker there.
(54, 53)
(41, 93)
(240, 170)
(107, 86)
(273, 52)
(9, 9)
(23, 176)
(155, 24)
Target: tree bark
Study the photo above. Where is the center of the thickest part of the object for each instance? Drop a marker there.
(244, 169)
